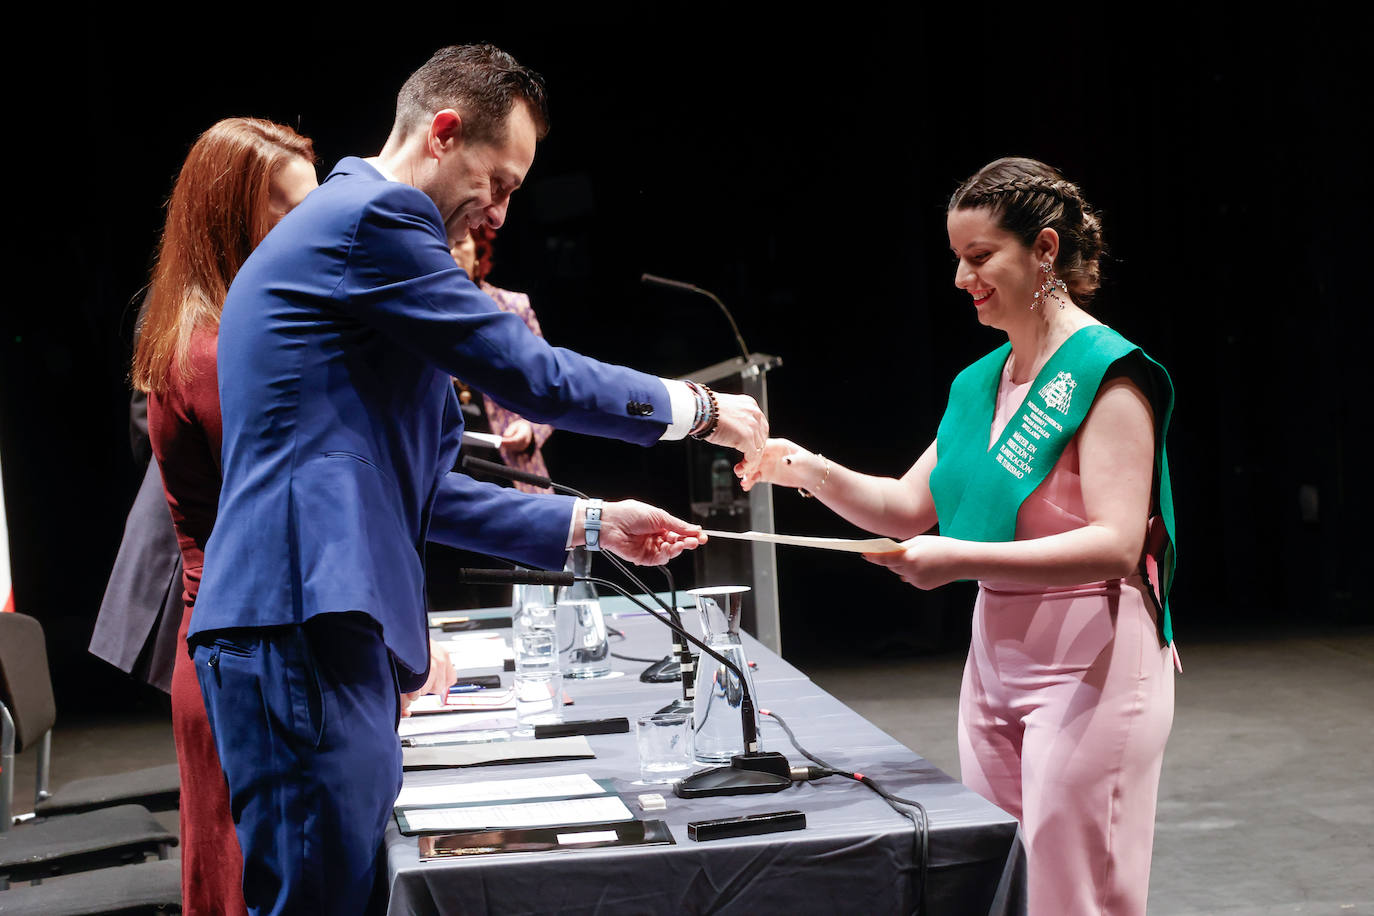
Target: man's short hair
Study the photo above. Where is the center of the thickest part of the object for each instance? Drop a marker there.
(481, 82)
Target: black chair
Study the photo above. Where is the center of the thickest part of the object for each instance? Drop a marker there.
(153, 887)
(32, 851)
(26, 690)
(155, 788)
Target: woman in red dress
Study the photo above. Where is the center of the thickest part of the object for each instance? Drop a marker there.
(239, 179)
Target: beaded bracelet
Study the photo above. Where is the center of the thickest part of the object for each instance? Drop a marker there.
(702, 405)
(712, 418)
(807, 494)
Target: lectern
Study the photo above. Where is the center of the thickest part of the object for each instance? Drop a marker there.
(719, 504)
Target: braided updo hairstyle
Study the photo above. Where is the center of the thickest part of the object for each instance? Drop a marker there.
(1025, 196)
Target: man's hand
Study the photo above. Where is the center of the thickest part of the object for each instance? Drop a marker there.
(442, 674)
(742, 426)
(518, 436)
(644, 534)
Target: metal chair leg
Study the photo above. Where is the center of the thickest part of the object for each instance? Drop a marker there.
(41, 792)
(6, 769)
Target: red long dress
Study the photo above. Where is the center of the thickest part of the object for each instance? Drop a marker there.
(185, 428)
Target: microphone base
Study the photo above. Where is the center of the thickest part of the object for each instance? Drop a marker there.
(763, 762)
(715, 781)
(678, 705)
(666, 670)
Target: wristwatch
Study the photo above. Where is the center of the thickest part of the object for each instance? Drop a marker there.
(592, 525)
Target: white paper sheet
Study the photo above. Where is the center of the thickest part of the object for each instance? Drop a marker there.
(587, 836)
(568, 786)
(849, 545)
(478, 700)
(449, 725)
(483, 649)
(484, 440)
(530, 814)
(482, 736)
(483, 754)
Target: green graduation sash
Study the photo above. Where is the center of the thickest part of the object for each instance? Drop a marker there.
(978, 491)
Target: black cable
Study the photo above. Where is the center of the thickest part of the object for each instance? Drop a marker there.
(921, 840)
(667, 620)
(672, 585)
(637, 583)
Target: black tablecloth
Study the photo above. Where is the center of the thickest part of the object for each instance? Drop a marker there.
(856, 854)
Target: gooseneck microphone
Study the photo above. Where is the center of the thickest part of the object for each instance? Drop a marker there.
(664, 282)
(484, 576)
(471, 463)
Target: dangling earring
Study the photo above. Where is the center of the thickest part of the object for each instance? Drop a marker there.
(1049, 285)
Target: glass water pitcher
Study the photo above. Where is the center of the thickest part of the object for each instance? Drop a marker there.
(583, 649)
(716, 717)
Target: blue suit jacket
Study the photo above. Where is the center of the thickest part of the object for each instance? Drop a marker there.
(336, 347)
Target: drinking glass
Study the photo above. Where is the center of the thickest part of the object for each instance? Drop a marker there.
(664, 740)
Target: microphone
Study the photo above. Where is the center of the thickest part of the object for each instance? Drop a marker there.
(655, 280)
(483, 466)
(652, 280)
(489, 576)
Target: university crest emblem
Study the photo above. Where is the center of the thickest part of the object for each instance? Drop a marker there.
(1058, 391)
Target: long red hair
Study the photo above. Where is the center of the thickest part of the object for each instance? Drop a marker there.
(217, 215)
(483, 238)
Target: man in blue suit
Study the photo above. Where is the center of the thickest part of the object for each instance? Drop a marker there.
(336, 347)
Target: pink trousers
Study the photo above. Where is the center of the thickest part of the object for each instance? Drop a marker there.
(1067, 701)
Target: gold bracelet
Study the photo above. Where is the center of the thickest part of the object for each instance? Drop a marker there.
(807, 494)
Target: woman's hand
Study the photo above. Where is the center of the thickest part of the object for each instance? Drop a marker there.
(644, 534)
(784, 463)
(519, 435)
(926, 561)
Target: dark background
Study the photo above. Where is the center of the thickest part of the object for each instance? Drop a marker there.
(800, 172)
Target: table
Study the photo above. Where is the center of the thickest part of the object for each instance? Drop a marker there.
(855, 855)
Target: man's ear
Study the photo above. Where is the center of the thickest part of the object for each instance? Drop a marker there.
(445, 133)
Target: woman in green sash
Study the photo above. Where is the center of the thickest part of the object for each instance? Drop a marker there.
(1049, 483)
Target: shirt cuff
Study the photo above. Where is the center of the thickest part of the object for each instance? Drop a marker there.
(684, 409)
(579, 510)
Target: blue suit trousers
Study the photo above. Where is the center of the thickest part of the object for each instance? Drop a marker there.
(304, 719)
